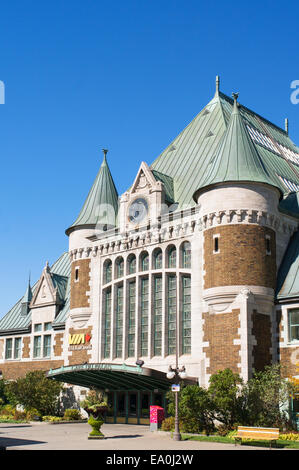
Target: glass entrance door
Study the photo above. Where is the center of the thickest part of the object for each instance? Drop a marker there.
(121, 407)
(132, 408)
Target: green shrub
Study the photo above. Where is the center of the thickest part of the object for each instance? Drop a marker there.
(231, 434)
(291, 436)
(168, 424)
(223, 430)
(32, 414)
(72, 414)
(20, 415)
(7, 410)
(52, 419)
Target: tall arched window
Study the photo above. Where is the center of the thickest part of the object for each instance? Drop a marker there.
(158, 259)
(171, 255)
(119, 267)
(107, 271)
(144, 261)
(186, 255)
(132, 264)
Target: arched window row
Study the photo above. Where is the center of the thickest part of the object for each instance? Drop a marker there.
(169, 301)
(172, 258)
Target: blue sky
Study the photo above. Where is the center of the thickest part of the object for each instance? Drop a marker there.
(81, 75)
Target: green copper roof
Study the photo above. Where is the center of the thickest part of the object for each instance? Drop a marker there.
(288, 274)
(236, 158)
(187, 159)
(101, 205)
(168, 185)
(60, 272)
(28, 295)
(290, 204)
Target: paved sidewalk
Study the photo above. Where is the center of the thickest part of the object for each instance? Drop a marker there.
(44, 436)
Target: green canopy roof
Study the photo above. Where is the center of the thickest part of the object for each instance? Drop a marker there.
(101, 205)
(114, 377)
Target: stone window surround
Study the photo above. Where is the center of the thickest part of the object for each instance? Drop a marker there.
(288, 310)
(139, 253)
(77, 270)
(178, 271)
(13, 358)
(216, 236)
(284, 333)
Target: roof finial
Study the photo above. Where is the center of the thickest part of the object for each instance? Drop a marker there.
(235, 97)
(105, 151)
(217, 83)
(286, 125)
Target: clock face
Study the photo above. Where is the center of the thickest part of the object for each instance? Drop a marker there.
(138, 210)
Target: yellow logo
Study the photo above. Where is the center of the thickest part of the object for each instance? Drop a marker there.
(77, 339)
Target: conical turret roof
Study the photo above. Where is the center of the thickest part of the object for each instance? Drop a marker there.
(28, 295)
(236, 158)
(101, 204)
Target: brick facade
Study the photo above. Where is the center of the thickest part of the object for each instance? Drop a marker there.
(12, 370)
(26, 347)
(289, 360)
(80, 288)
(58, 344)
(78, 354)
(242, 258)
(261, 330)
(288, 355)
(221, 331)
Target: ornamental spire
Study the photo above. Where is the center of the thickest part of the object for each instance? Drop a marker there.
(101, 205)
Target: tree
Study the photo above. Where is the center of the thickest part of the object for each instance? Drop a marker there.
(194, 409)
(3, 397)
(267, 394)
(36, 391)
(225, 394)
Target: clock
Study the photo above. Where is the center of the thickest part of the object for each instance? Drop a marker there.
(138, 210)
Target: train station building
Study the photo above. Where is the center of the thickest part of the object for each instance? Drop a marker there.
(199, 257)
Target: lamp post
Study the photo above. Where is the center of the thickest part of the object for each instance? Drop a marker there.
(176, 373)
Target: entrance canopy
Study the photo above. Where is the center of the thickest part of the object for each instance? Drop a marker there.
(113, 377)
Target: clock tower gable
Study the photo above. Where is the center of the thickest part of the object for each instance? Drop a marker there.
(143, 203)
